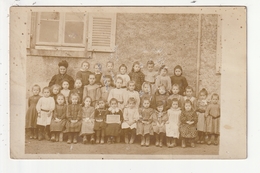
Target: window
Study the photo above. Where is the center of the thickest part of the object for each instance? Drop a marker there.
(70, 34)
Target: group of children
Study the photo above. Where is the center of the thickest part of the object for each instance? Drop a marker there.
(144, 103)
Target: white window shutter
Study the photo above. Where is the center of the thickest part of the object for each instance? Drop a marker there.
(101, 32)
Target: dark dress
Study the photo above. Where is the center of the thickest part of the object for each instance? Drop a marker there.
(181, 81)
(83, 75)
(60, 112)
(146, 114)
(138, 77)
(100, 117)
(114, 129)
(188, 130)
(32, 114)
(98, 79)
(74, 113)
(58, 78)
(159, 97)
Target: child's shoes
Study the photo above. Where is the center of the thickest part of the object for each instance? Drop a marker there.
(192, 144)
(57, 137)
(92, 140)
(61, 137)
(142, 141)
(147, 141)
(75, 139)
(53, 137)
(85, 139)
(126, 139)
(97, 140)
(183, 144)
(102, 140)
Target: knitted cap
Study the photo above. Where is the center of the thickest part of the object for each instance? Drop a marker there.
(177, 67)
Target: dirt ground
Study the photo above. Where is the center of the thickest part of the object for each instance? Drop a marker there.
(33, 146)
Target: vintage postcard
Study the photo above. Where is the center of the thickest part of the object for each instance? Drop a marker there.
(128, 82)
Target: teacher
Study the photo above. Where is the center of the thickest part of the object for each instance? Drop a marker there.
(58, 78)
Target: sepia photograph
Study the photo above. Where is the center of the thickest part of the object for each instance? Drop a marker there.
(127, 83)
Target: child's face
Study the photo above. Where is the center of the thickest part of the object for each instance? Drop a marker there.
(189, 92)
(202, 96)
(78, 83)
(97, 69)
(131, 86)
(74, 99)
(160, 108)
(36, 91)
(62, 69)
(107, 81)
(85, 66)
(110, 66)
(187, 106)
(60, 100)
(91, 79)
(101, 104)
(131, 104)
(146, 88)
(163, 72)
(113, 104)
(146, 104)
(122, 70)
(119, 83)
(177, 72)
(55, 90)
(87, 102)
(175, 90)
(136, 67)
(162, 90)
(46, 93)
(214, 99)
(174, 105)
(150, 67)
(65, 85)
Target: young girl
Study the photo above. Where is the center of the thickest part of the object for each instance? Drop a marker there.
(201, 108)
(189, 95)
(172, 125)
(137, 76)
(84, 73)
(189, 120)
(175, 91)
(177, 78)
(59, 119)
(108, 86)
(131, 115)
(150, 75)
(146, 92)
(130, 92)
(159, 120)
(55, 90)
(117, 93)
(31, 114)
(73, 124)
(160, 95)
(45, 107)
(110, 70)
(100, 124)
(144, 124)
(163, 78)
(87, 127)
(98, 74)
(65, 90)
(78, 89)
(123, 74)
(212, 115)
(92, 90)
(113, 130)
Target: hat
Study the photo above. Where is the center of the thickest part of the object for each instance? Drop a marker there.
(159, 103)
(177, 67)
(63, 63)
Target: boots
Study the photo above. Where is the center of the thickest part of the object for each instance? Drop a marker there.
(92, 139)
(202, 138)
(174, 142)
(53, 137)
(156, 140)
(61, 137)
(31, 133)
(142, 141)
(40, 135)
(147, 140)
(168, 142)
(75, 138)
(192, 144)
(126, 136)
(35, 136)
(46, 134)
(57, 137)
(133, 134)
(183, 143)
(212, 137)
(161, 135)
(69, 138)
(102, 136)
(216, 140)
(85, 139)
(97, 136)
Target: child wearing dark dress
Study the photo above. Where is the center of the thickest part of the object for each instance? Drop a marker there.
(137, 75)
(189, 95)
(65, 90)
(177, 78)
(160, 95)
(110, 70)
(31, 114)
(55, 90)
(98, 74)
(84, 73)
(92, 90)
(163, 78)
(100, 124)
(175, 91)
(146, 93)
(105, 90)
(78, 89)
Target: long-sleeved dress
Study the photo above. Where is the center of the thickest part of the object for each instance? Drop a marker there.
(201, 108)
(100, 119)
(128, 94)
(87, 126)
(172, 128)
(32, 114)
(146, 115)
(60, 112)
(212, 118)
(188, 130)
(45, 106)
(93, 91)
(163, 80)
(130, 115)
(117, 93)
(98, 77)
(83, 75)
(114, 129)
(138, 77)
(74, 113)
(159, 97)
(181, 81)
(58, 78)
(159, 120)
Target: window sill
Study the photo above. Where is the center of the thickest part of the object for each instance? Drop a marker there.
(79, 53)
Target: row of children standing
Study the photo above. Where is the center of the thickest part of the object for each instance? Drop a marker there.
(163, 108)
